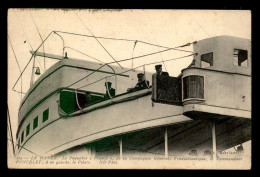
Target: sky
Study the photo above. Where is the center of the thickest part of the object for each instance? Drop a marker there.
(170, 28)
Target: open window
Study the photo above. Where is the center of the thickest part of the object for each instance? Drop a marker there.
(35, 122)
(28, 130)
(193, 87)
(240, 57)
(207, 60)
(45, 115)
(22, 136)
(70, 101)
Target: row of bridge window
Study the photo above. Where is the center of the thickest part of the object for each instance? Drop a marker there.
(35, 123)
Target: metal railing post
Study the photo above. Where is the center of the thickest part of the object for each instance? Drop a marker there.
(214, 143)
(166, 142)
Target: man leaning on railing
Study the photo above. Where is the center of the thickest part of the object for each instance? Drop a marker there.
(142, 83)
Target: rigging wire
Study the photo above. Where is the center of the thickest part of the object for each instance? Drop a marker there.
(133, 54)
(203, 29)
(156, 41)
(27, 39)
(17, 64)
(19, 92)
(126, 60)
(98, 41)
(133, 60)
(41, 39)
(31, 60)
(10, 129)
(170, 47)
(145, 55)
(172, 59)
(136, 68)
(83, 53)
(21, 75)
(175, 48)
(17, 144)
(85, 76)
(128, 40)
(99, 37)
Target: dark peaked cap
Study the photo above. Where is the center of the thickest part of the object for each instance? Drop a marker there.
(140, 74)
(158, 66)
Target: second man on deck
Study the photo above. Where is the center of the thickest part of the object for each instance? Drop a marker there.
(142, 83)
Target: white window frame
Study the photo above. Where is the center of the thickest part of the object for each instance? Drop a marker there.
(187, 99)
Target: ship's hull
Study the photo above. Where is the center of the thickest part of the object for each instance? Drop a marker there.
(141, 127)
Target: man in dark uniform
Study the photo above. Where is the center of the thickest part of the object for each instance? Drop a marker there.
(142, 83)
(159, 83)
(160, 76)
(159, 70)
(109, 90)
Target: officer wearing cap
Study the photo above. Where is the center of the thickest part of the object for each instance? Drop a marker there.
(158, 82)
(109, 90)
(159, 71)
(142, 83)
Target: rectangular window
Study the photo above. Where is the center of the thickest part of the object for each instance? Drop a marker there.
(240, 57)
(68, 100)
(207, 60)
(22, 137)
(193, 87)
(45, 115)
(27, 129)
(35, 122)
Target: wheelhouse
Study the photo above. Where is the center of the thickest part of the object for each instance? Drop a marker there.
(219, 79)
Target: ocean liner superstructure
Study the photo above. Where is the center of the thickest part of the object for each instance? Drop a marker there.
(203, 111)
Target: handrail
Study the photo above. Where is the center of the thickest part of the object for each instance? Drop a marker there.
(62, 43)
(117, 99)
(77, 99)
(31, 59)
(115, 74)
(106, 84)
(107, 89)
